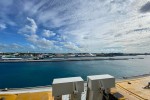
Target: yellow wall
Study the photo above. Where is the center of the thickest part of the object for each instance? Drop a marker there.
(28, 96)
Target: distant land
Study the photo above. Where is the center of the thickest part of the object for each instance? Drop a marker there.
(49, 57)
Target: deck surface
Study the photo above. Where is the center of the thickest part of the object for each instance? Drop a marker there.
(134, 88)
(131, 89)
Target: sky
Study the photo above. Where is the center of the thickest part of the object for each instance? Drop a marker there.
(62, 26)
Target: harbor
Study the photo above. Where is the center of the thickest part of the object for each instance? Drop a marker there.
(43, 73)
(75, 50)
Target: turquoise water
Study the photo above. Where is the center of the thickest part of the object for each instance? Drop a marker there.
(29, 74)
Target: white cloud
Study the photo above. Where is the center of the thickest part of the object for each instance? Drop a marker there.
(45, 43)
(39, 41)
(2, 26)
(33, 25)
(95, 24)
(90, 26)
(71, 46)
(32, 46)
(29, 28)
(31, 36)
(48, 33)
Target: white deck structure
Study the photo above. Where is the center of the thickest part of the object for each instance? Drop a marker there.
(63, 86)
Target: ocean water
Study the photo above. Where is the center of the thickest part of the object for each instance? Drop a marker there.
(30, 74)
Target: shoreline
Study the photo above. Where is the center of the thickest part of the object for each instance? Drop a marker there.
(69, 59)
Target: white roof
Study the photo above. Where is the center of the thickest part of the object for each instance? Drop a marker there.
(67, 80)
(97, 77)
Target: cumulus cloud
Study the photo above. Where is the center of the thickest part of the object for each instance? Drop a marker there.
(72, 46)
(39, 42)
(29, 28)
(2, 26)
(32, 46)
(48, 33)
(31, 35)
(84, 25)
(92, 23)
(33, 26)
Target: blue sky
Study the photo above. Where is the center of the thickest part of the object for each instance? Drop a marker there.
(75, 26)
